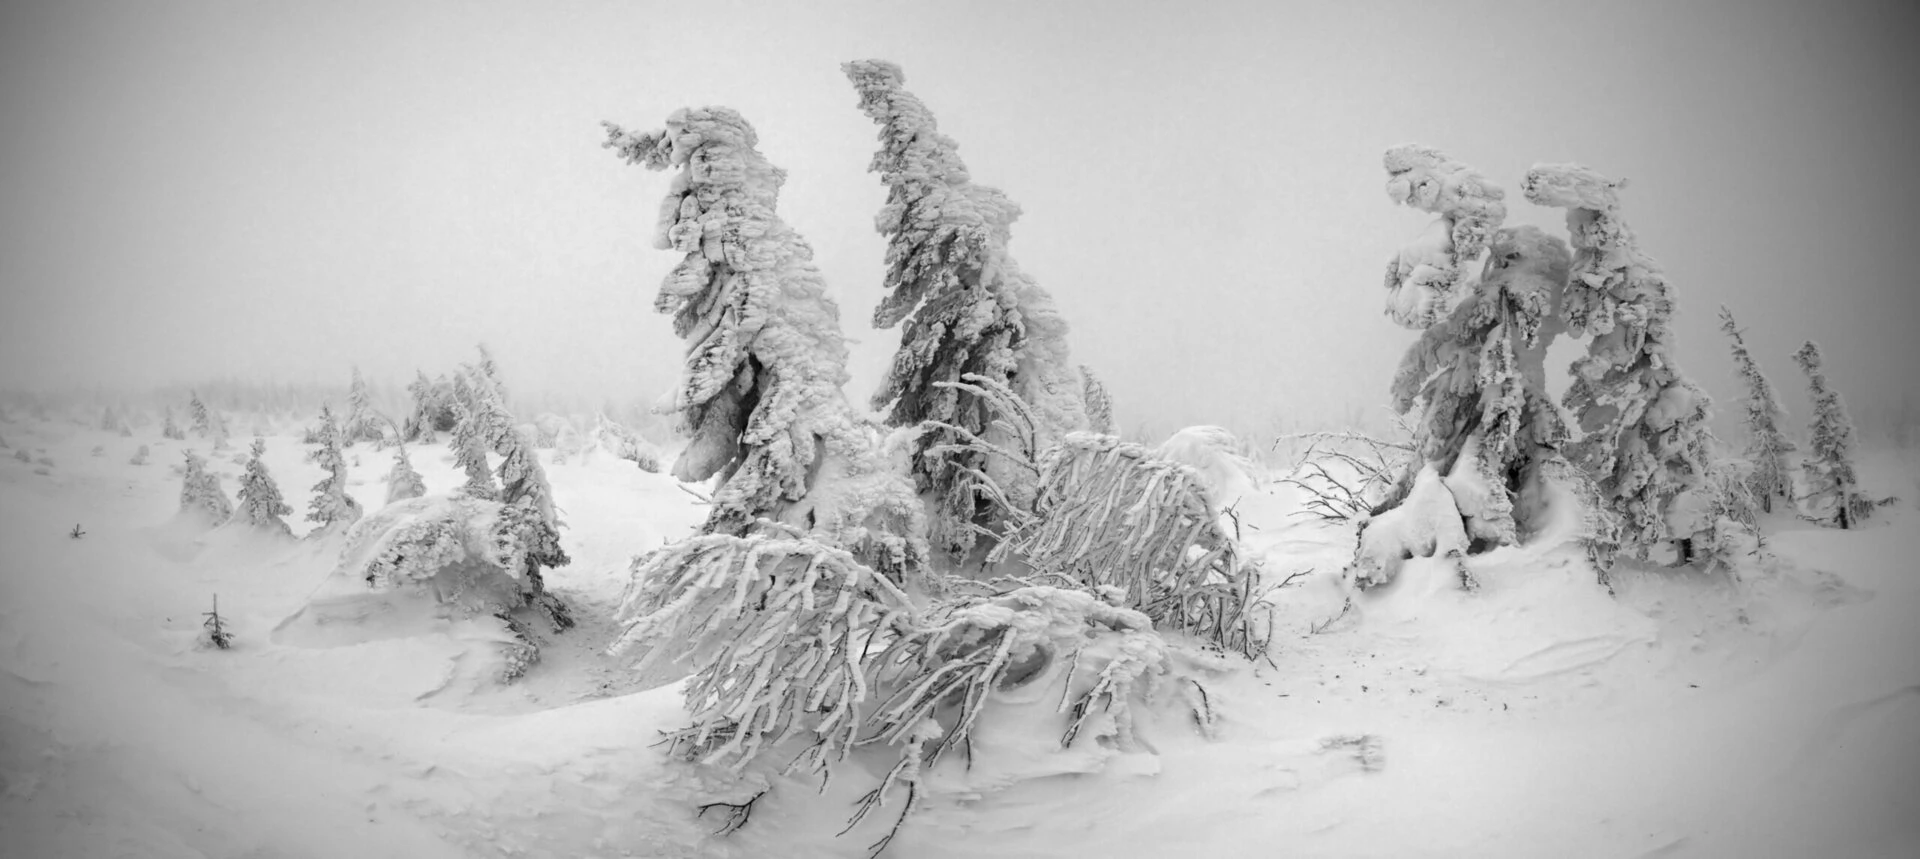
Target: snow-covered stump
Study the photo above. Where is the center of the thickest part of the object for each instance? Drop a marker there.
(435, 564)
(1110, 514)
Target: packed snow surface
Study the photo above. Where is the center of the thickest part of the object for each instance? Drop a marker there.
(1682, 715)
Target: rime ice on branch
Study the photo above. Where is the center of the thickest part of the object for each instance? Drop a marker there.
(1833, 489)
(1645, 441)
(759, 397)
(1769, 476)
(1422, 279)
(964, 306)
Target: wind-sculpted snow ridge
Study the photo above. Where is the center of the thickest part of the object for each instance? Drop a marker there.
(964, 307)
(1424, 280)
(760, 394)
(1646, 441)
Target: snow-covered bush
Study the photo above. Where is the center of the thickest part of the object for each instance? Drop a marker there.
(964, 307)
(1769, 475)
(331, 507)
(1646, 440)
(402, 481)
(1423, 279)
(200, 492)
(1832, 494)
(1110, 514)
(260, 503)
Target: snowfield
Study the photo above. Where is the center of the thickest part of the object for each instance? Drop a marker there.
(1683, 715)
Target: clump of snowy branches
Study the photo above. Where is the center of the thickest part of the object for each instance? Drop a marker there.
(775, 627)
(1422, 279)
(1646, 441)
(964, 307)
(200, 492)
(433, 409)
(1832, 493)
(1346, 474)
(1770, 475)
(1110, 514)
(260, 503)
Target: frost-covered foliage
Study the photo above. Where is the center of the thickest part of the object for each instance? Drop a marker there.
(363, 421)
(1478, 380)
(1645, 438)
(200, 492)
(760, 395)
(775, 628)
(260, 503)
(626, 444)
(1423, 280)
(1111, 514)
(433, 409)
(1769, 475)
(169, 429)
(402, 481)
(331, 507)
(1832, 493)
(964, 306)
(1099, 403)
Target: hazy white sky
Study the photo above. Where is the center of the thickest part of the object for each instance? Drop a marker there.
(259, 189)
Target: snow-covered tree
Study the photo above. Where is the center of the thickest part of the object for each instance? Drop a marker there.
(432, 409)
(476, 414)
(169, 429)
(1099, 403)
(1769, 475)
(200, 492)
(403, 482)
(759, 398)
(260, 503)
(1833, 488)
(363, 421)
(1423, 280)
(1484, 423)
(139, 456)
(202, 420)
(964, 307)
(331, 506)
(1645, 437)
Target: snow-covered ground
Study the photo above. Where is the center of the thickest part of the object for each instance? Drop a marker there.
(1685, 715)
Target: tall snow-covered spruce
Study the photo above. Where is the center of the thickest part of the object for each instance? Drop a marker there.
(760, 395)
(1833, 488)
(964, 307)
(363, 421)
(1486, 427)
(1770, 475)
(1645, 437)
(260, 503)
(200, 492)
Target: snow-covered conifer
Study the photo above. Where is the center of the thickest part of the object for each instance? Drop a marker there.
(200, 492)
(1833, 488)
(403, 482)
(140, 456)
(331, 506)
(470, 440)
(759, 398)
(1646, 441)
(202, 421)
(1769, 476)
(432, 405)
(363, 421)
(169, 429)
(1423, 279)
(1099, 403)
(260, 503)
(964, 307)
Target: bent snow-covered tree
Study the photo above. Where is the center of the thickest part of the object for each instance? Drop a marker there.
(260, 503)
(964, 307)
(1645, 437)
(1486, 427)
(760, 396)
(331, 507)
(1833, 488)
(1769, 474)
